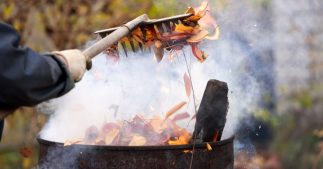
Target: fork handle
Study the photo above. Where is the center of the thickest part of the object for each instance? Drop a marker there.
(114, 37)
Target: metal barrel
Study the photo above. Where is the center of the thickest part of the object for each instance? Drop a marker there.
(57, 156)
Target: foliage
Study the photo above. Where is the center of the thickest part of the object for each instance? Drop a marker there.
(298, 140)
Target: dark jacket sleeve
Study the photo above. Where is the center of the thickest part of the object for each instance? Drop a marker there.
(26, 77)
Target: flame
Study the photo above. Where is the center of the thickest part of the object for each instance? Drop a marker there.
(184, 138)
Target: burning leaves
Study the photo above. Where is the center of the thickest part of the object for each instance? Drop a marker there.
(173, 36)
(139, 131)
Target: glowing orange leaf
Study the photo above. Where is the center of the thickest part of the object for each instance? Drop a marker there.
(182, 139)
(209, 147)
(198, 37)
(181, 116)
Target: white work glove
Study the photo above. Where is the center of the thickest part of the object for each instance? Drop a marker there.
(75, 61)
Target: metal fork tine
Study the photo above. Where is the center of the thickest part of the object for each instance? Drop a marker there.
(140, 47)
(164, 28)
(143, 33)
(160, 28)
(123, 44)
(132, 45)
(168, 26)
(157, 27)
(172, 25)
(178, 21)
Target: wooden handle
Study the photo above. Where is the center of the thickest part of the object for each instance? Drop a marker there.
(114, 37)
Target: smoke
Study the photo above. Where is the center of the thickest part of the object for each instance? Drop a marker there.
(137, 84)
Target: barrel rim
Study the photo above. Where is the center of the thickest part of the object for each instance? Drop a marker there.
(136, 148)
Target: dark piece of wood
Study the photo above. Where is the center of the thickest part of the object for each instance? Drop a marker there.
(211, 115)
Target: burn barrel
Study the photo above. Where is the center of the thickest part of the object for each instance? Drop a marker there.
(54, 155)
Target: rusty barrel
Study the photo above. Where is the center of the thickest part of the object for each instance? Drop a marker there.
(54, 155)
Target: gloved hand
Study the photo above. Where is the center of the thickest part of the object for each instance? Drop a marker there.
(75, 61)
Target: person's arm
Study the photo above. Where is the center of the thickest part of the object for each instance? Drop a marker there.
(26, 77)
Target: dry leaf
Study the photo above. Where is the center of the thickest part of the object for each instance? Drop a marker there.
(201, 56)
(181, 116)
(179, 36)
(137, 35)
(198, 37)
(71, 142)
(107, 127)
(188, 86)
(193, 18)
(215, 36)
(202, 7)
(199, 12)
(137, 140)
(158, 50)
(158, 124)
(190, 10)
(209, 147)
(175, 109)
(180, 28)
(26, 152)
(158, 44)
(111, 136)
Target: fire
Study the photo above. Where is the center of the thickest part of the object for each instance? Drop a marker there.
(184, 138)
(139, 131)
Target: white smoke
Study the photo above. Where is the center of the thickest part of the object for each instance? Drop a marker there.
(139, 85)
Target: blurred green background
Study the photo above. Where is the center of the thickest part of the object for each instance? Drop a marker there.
(294, 116)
